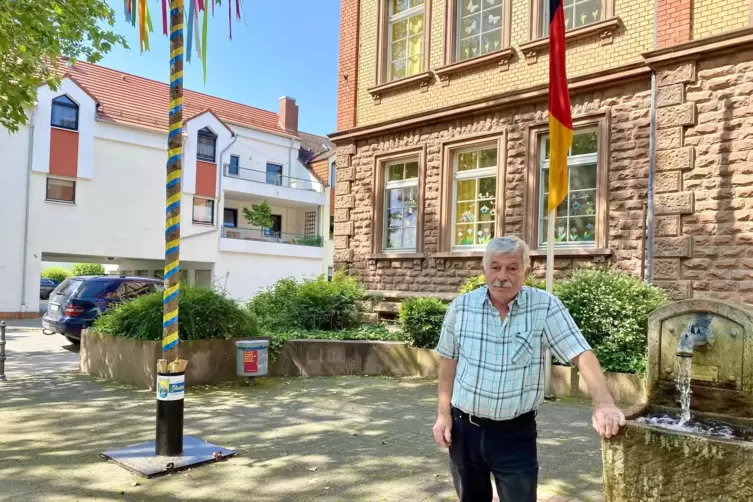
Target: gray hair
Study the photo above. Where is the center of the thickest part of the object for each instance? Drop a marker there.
(507, 245)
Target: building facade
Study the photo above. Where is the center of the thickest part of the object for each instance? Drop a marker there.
(85, 182)
(442, 141)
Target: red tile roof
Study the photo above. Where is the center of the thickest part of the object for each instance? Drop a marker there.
(132, 100)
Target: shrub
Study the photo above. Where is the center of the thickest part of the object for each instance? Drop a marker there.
(88, 269)
(58, 274)
(311, 304)
(204, 314)
(421, 320)
(477, 281)
(611, 308)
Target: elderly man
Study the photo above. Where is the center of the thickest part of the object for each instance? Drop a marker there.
(491, 377)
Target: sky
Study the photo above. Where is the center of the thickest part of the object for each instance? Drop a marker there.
(278, 48)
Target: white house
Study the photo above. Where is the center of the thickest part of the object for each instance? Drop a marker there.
(84, 181)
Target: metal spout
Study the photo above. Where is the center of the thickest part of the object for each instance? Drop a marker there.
(696, 335)
(686, 345)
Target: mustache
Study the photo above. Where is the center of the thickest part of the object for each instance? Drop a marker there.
(502, 284)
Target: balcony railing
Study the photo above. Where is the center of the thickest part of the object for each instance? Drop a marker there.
(272, 178)
(255, 234)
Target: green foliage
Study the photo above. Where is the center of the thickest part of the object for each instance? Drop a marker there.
(311, 304)
(611, 308)
(34, 34)
(311, 240)
(378, 332)
(477, 281)
(204, 314)
(260, 215)
(56, 273)
(421, 320)
(88, 269)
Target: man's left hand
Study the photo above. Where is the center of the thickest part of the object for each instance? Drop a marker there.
(607, 420)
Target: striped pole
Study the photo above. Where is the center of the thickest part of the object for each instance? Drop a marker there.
(174, 168)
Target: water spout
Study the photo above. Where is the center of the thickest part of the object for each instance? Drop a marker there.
(696, 335)
(686, 346)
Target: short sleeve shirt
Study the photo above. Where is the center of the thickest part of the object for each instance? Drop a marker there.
(500, 371)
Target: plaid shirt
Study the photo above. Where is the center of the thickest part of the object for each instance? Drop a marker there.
(500, 372)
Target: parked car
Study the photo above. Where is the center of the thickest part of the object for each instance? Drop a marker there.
(78, 301)
(46, 286)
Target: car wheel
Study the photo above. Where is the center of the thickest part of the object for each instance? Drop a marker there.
(74, 341)
(44, 296)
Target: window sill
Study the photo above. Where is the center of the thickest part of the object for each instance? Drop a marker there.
(574, 252)
(501, 57)
(605, 28)
(63, 128)
(396, 256)
(208, 160)
(459, 254)
(202, 224)
(422, 79)
(64, 202)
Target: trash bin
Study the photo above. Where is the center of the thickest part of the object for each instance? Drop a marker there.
(252, 358)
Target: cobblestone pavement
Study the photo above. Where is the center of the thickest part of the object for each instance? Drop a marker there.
(323, 439)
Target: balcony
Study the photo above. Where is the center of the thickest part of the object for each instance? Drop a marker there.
(257, 241)
(243, 181)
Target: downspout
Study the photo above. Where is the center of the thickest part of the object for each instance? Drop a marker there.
(26, 214)
(219, 191)
(651, 167)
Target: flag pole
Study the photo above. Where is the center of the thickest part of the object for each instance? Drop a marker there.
(549, 288)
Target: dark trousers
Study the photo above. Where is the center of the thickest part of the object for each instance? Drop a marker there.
(506, 449)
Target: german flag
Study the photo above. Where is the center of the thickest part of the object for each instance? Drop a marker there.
(560, 119)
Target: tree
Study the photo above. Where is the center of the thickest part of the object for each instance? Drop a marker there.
(58, 274)
(34, 35)
(260, 215)
(88, 269)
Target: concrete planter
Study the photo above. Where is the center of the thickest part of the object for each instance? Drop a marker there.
(134, 362)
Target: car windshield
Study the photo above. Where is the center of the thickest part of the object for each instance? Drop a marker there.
(68, 287)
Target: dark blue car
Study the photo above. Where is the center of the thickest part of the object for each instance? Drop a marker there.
(78, 301)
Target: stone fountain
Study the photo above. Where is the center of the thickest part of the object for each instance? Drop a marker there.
(692, 440)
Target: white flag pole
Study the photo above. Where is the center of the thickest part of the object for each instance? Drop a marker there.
(549, 288)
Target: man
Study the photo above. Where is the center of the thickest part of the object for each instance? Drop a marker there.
(491, 377)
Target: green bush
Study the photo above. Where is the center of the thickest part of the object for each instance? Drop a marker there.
(204, 314)
(56, 273)
(313, 304)
(421, 320)
(88, 269)
(611, 308)
(477, 281)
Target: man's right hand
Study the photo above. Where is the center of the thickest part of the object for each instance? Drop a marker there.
(443, 430)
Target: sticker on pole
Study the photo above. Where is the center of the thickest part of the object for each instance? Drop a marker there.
(250, 361)
(170, 387)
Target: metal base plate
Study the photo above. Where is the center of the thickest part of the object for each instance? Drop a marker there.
(141, 458)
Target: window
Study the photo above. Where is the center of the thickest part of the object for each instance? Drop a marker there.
(474, 196)
(575, 224)
(234, 167)
(206, 145)
(405, 47)
(479, 28)
(309, 223)
(332, 174)
(203, 211)
(60, 190)
(64, 113)
(274, 174)
(276, 229)
(331, 227)
(400, 205)
(230, 218)
(577, 13)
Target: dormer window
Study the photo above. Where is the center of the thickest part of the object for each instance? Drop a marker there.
(64, 113)
(206, 145)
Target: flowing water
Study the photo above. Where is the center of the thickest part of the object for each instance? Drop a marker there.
(684, 374)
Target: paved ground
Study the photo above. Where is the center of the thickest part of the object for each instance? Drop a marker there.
(328, 439)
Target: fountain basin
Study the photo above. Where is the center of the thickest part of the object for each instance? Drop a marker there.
(648, 462)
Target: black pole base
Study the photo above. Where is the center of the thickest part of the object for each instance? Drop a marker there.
(169, 414)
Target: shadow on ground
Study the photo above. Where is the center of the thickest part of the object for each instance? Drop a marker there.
(328, 439)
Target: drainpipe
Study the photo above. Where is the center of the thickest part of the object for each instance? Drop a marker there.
(651, 168)
(26, 215)
(222, 175)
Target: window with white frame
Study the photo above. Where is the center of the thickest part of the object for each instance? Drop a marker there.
(575, 223)
(400, 205)
(479, 28)
(577, 13)
(203, 211)
(406, 38)
(474, 196)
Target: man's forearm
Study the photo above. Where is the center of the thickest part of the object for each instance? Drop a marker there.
(597, 385)
(447, 368)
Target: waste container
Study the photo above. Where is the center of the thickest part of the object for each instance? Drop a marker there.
(252, 358)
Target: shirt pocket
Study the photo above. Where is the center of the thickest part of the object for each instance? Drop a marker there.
(521, 349)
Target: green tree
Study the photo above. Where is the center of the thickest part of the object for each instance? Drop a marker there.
(259, 215)
(88, 269)
(34, 34)
(56, 273)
